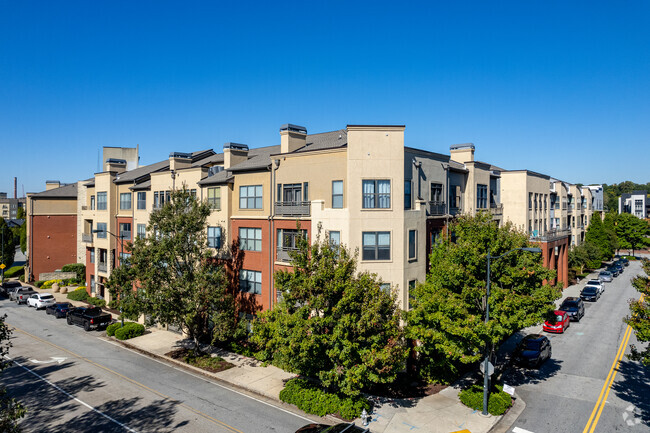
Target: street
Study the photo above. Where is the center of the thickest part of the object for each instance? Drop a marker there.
(562, 396)
(73, 381)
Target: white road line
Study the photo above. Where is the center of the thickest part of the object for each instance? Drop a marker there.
(70, 395)
(520, 430)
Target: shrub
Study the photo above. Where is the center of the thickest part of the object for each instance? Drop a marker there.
(79, 268)
(498, 401)
(14, 271)
(97, 302)
(110, 329)
(79, 295)
(312, 399)
(129, 330)
(39, 283)
(48, 284)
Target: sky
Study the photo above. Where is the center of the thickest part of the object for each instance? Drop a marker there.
(561, 88)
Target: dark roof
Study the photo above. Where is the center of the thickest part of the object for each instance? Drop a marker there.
(136, 173)
(455, 165)
(222, 177)
(65, 191)
(258, 158)
(325, 140)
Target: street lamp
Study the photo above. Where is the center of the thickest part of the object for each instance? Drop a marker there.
(121, 239)
(486, 375)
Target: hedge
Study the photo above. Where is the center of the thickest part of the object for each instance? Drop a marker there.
(312, 399)
(110, 329)
(498, 401)
(14, 270)
(129, 330)
(78, 295)
(79, 268)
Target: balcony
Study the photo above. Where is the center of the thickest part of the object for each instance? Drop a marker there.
(293, 209)
(101, 267)
(283, 254)
(551, 235)
(496, 209)
(437, 208)
(87, 237)
(455, 211)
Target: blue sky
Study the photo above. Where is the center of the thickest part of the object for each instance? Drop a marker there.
(561, 88)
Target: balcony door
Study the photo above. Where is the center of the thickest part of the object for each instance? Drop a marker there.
(292, 193)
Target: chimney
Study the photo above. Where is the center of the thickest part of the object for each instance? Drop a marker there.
(15, 187)
(233, 154)
(115, 165)
(292, 137)
(52, 184)
(462, 152)
(179, 160)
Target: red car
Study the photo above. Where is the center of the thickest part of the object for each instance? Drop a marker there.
(561, 322)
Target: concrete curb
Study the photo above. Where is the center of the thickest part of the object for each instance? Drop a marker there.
(503, 425)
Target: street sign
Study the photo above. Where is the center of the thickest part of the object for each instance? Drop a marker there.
(490, 368)
(2, 266)
(508, 389)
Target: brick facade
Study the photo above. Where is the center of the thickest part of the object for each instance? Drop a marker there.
(53, 243)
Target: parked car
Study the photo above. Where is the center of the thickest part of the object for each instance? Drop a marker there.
(605, 276)
(40, 300)
(59, 310)
(574, 307)
(598, 284)
(623, 261)
(559, 323)
(89, 318)
(533, 350)
(590, 293)
(10, 286)
(614, 270)
(21, 295)
(337, 428)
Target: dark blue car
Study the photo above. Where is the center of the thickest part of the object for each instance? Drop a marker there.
(533, 350)
(60, 309)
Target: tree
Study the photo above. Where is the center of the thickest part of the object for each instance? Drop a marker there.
(332, 323)
(447, 315)
(639, 318)
(9, 246)
(598, 235)
(177, 280)
(632, 232)
(10, 409)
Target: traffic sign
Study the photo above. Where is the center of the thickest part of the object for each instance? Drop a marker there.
(490, 368)
(2, 266)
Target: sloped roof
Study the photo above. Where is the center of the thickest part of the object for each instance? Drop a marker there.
(65, 191)
(222, 177)
(325, 140)
(259, 158)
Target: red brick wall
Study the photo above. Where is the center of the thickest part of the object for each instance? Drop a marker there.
(53, 243)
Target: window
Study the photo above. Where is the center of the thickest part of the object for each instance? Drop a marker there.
(125, 231)
(413, 240)
(142, 200)
(142, 231)
(250, 239)
(530, 200)
(92, 255)
(376, 245)
(385, 287)
(408, 198)
(287, 239)
(101, 227)
(214, 198)
(376, 194)
(125, 201)
(92, 202)
(101, 201)
(250, 281)
(293, 192)
(214, 237)
(156, 200)
(250, 197)
(124, 258)
(481, 196)
(436, 192)
(638, 206)
(335, 238)
(337, 194)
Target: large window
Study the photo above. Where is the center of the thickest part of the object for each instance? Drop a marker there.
(250, 197)
(92, 202)
(481, 196)
(250, 281)
(337, 194)
(288, 238)
(335, 238)
(408, 196)
(376, 194)
(92, 255)
(214, 237)
(101, 227)
(101, 201)
(413, 244)
(142, 200)
(125, 231)
(436, 193)
(250, 239)
(142, 231)
(214, 198)
(376, 245)
(125, 201)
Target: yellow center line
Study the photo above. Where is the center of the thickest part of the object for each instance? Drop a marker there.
(183, 405)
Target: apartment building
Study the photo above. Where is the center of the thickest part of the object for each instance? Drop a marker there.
(635, 203)
(9, 206)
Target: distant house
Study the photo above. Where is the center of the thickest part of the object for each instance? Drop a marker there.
(635, 203)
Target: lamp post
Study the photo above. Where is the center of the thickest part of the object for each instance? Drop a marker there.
(121, 239)
(2, 258)
(486, 375)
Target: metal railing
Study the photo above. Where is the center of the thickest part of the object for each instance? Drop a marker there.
(87, 237)
(101, 267)
(496, 208)
(283, 254)
(437, 208)
(294, 208)
(455, 210)
(551, 235)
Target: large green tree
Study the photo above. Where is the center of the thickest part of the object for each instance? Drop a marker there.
(9, 244)
(447, 315)
(598, 235)
(10, 409)
(178, 280)
(632, 232)
(332, 323)
(639, 318)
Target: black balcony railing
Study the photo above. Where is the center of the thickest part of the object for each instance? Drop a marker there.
(293, 208)
(551, 235)
(455, 210)
(437, 208)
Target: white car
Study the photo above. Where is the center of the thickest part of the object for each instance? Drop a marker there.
(598, 284)
(40, 300)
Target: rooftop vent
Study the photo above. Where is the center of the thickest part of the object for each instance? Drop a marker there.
(293, 128)
(462, 146)
(115, 161)
(235, 146)
(180, 155)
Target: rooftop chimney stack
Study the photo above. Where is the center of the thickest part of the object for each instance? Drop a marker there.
(15, 187)
(233, 154)
(179, 160)
(292, 137)
(462, 152)
(115, 165)
(52, 184)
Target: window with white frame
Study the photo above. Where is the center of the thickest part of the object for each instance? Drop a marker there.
(250, 281)
(376, 194)
(92, 202)
(481, 196)
(142, 200)
(125, 201)
(142, 231)
(250, 239)
(214, 237)
(125, 231)
(335, 238)
(250, 197)
(214, 198)
(337, 194)
(101, 200)
(92, 255)
(376, 245)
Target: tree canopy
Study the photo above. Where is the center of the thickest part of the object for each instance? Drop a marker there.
(10, 409)
(599, 235)
(9, 246)
(332, 323)
(639, 318)
(448, 309)
(632, 232)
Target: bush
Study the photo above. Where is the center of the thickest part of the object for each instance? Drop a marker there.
(79, 295)
(79, 268)
(498, 401)
(14, 271)
(97, 302)
(110, 329)
(312, 399)
(48, 284)
(129, 330)
(39, 283)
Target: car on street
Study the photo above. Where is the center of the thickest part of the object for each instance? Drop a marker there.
(21, 295)
(605, 276)
(620, 267)
(615, 270)
(344, 427)
(623, 261)
(89, 318)
(559, 323)
(40, 300)
(590, 293)
(598, 284)
(574, 307)
(532, 350)
(59, 310)
(10, 286)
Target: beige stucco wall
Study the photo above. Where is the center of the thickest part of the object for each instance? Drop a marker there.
(515, 189)
(249, 179)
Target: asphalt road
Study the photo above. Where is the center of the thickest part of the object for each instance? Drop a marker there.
(562, 395)
(73, 381)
